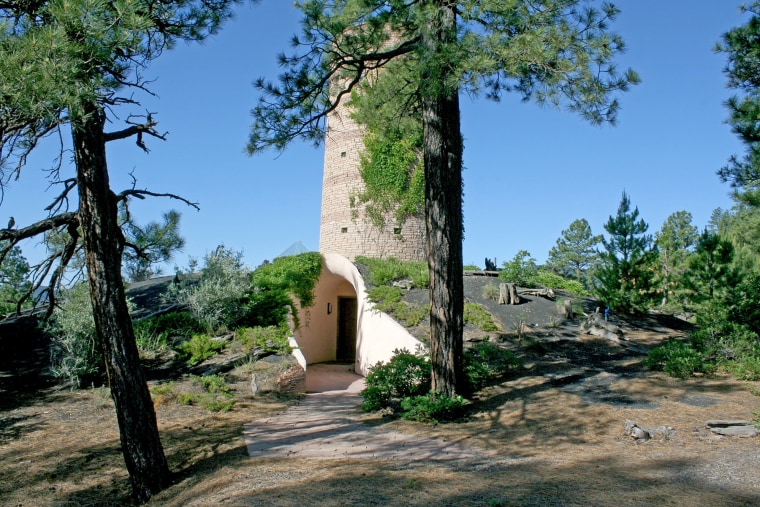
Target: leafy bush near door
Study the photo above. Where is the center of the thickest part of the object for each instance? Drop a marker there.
(402, 385)
(405, 375)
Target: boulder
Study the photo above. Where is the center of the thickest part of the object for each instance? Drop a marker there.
(732, 428)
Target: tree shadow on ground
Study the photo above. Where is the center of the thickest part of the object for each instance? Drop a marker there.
(193, 453)
(606, 480)
(24, 363)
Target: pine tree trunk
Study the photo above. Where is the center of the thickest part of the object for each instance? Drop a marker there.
(103, 243)
(443, 202)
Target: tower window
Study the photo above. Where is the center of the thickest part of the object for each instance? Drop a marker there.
(343, 230)
(342, 154)
(397, 231)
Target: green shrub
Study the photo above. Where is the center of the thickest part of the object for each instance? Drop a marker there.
(415, 314)
(217, 299)
(273, 285)
(294, 274)
(75, 354)
(543, 278)
(717, 342)
(678, 359)
(385, 297)
(727, 344)
(485, 361)
(173, 324)
(472, 267)
(389, 300)
(152, 334)
(744, 367)
(216, 395)
(385, 271)
(214, 384)
(150, 341)
(478, 316)
(519, 270)
(269, 339)
(267, 306)
(419, 273)
(433, 408)
(164, 393)
(405, 375)
(199, 348)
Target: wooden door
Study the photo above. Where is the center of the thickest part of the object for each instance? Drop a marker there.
(345, 350)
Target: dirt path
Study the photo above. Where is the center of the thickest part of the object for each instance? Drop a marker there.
(328, 424)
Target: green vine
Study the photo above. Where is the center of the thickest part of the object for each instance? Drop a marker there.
(394, 181)
(391, 164)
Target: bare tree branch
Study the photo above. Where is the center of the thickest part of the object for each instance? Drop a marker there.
(40, 271)
(141, 194)
(298, 106)
(16, 235)
(69, 185)
(137, 129)
(66, 255)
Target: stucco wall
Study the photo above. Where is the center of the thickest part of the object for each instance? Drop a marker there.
(377, 335)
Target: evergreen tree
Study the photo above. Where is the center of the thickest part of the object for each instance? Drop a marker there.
(741, 226)
(150, 245)
(558, 52)
(745, 302)
(624, 274)
(711, 274)
(675, 242)
(73, 64)
(575, 253)
(742, 45)
(14, 278)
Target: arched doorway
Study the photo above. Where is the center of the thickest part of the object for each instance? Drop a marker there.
(342, 326)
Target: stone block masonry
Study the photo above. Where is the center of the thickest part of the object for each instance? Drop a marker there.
(345, 230)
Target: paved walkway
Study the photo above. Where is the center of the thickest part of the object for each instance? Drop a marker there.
(326, 425)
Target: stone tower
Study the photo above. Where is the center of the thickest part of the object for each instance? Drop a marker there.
(351, 234)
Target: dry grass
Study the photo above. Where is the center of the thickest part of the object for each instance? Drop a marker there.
(559, 439)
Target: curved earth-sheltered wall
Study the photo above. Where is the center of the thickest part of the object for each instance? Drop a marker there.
(377, 334)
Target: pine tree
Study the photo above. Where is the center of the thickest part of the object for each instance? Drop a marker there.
(675, 242)
(557, 52)
(150, 245)
(575, 253)
(73, 64)
(711, 275)
(742, 44)
(623, 278)
(14, 279)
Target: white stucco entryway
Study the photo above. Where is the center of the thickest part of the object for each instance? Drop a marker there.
(325, 328)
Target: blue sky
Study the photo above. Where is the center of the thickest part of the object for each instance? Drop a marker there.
(529, 171)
